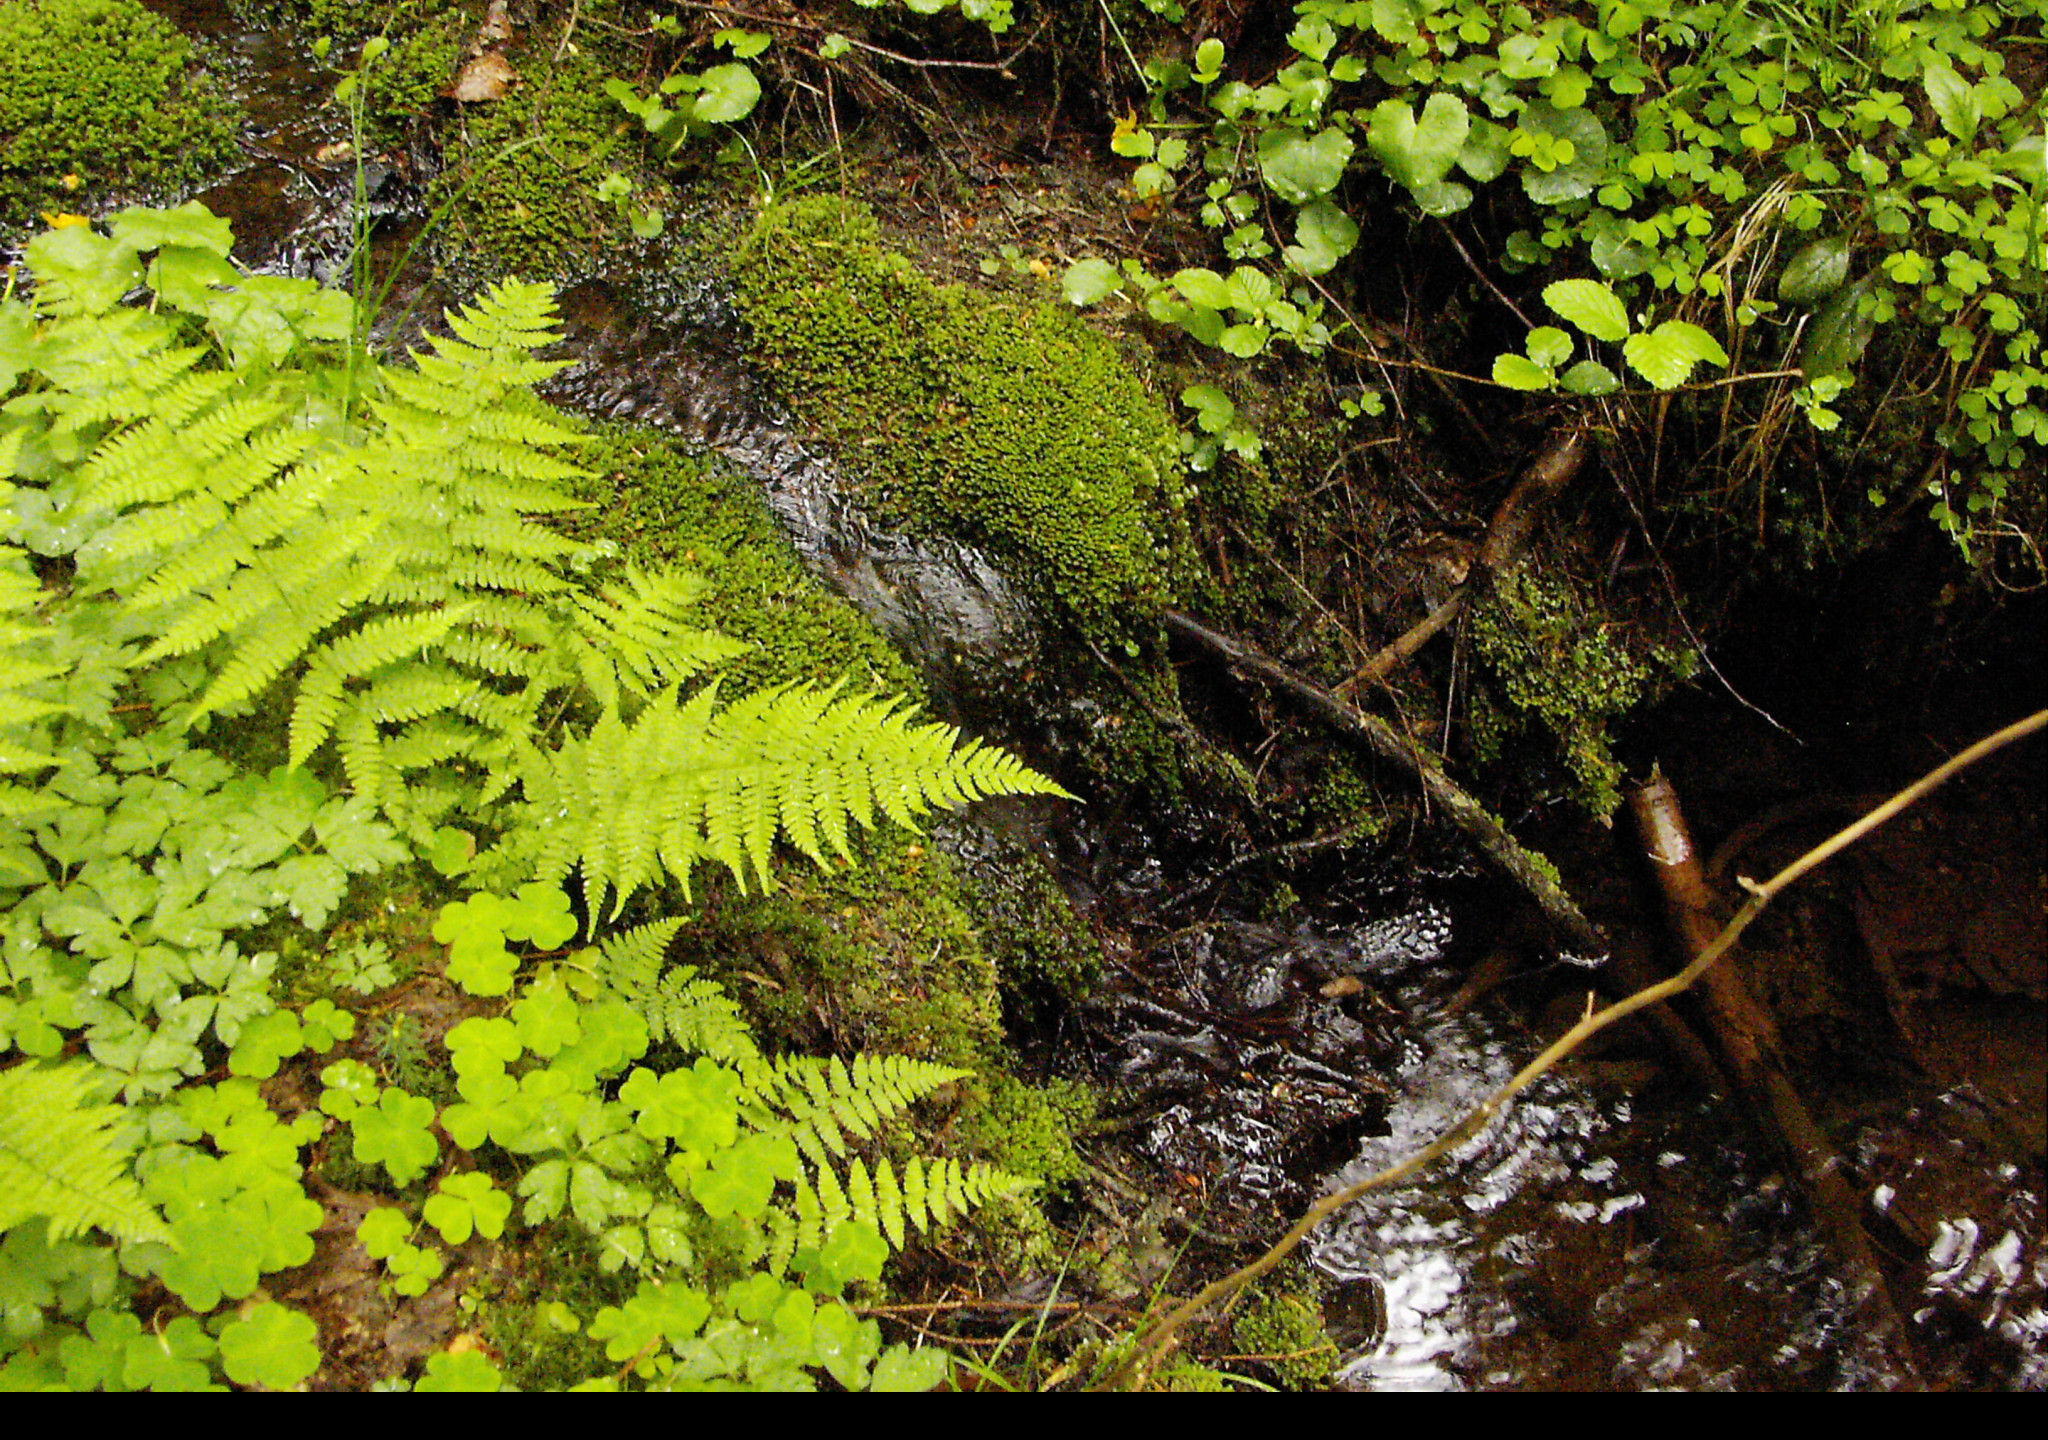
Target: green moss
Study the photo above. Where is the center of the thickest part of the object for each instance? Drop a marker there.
(1281, 1325)
(1029, 1129)
(880, 953)
(1566, 666)
(1011, 424)
(523, 174)
(96, 94)
(661, 504)
(1028, 926)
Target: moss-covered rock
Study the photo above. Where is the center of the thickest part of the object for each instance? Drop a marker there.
(100, 94)
(662, 504)
(1007, 423)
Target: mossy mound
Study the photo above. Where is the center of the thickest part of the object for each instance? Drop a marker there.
(96, 94)
(523, 174)
(1006, 423)
(661, 505)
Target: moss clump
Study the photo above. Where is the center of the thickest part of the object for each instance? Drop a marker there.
(99, 93)
(1563, 664)
(1010, 424)
(881, 954)
(1281, 1325)
(661, 505)
(1041, 948)
(532, 211)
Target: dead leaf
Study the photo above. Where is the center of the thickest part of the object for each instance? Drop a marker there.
(485, 78)
(497, 26)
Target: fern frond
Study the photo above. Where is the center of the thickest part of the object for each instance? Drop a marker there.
(60, 1158)
(682, 782)
(931, 1195)
(822, 1099)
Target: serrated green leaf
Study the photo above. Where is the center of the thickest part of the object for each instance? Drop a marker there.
(1548, 346)
(1087, 282)
(1667, 355)
(1590, 377)
(1517, 372)
(1590, 305)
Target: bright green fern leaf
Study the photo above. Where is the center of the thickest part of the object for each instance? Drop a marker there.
(59, 1157)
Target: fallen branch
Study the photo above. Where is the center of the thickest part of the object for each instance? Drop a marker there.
(1487, 833)
(1153, 1341)
(1753, 1054)
(1513, 526)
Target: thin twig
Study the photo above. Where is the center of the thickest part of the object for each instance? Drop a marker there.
(1160, 1335)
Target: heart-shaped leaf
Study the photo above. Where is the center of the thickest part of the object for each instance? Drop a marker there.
(1419, 153)
(1299, 167)
(1323, 235)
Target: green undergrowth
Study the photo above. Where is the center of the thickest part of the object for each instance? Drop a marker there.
(98, 94)
(523, 173)
(329, 776)
(1008, 423)
(899, 952)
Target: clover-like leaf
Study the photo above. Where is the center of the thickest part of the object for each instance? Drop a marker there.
(394, 1133)
(384, 1231)
(547, 1020)
(323, 1026)
(464, 1371)
(900, 1368)
(350, 1085)
(270, 1346)
(483, 1043)
(844, 1344)
(740, 1180)
(698, 1106)
(468, 1204)
(265, 1043)
(658, 1311)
